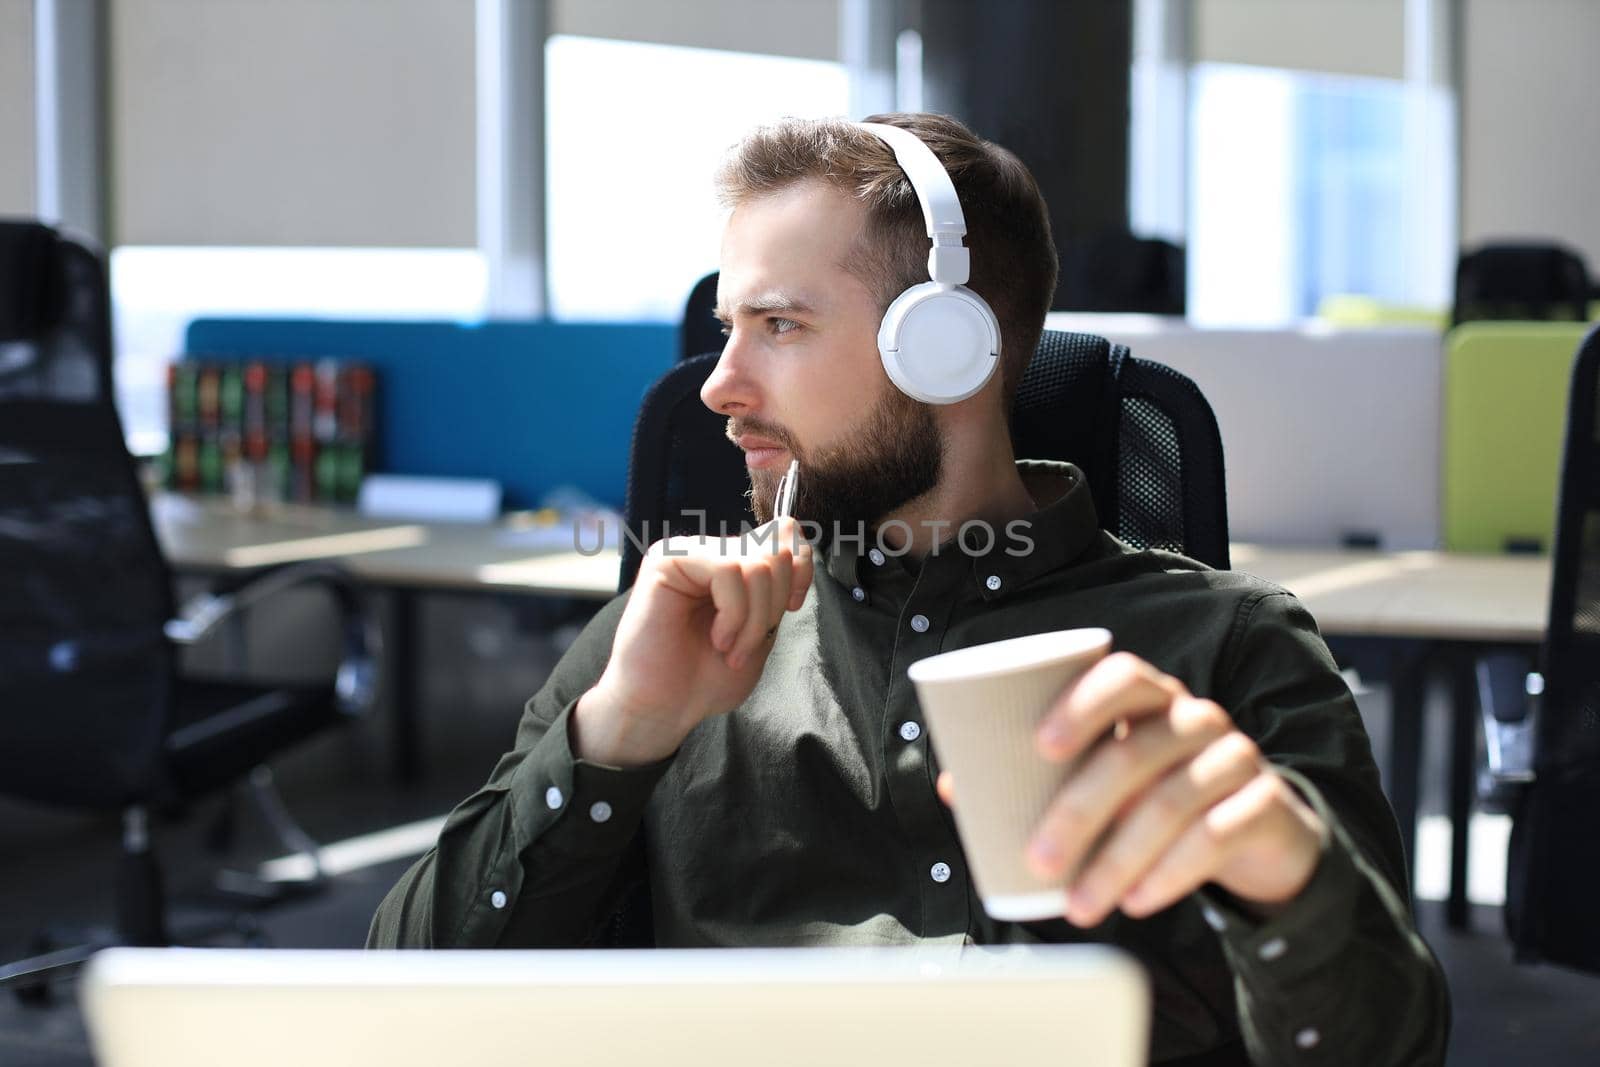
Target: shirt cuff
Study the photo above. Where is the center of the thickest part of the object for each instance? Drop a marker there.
(1312, 930)
(587, 809)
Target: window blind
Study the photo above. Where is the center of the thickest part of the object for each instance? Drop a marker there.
(295, 122)
(804, 29)
(1364, 37)
(17, 181)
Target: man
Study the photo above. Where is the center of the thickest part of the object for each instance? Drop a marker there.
(739, 733)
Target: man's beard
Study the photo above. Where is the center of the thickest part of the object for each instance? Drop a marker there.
(893, 458)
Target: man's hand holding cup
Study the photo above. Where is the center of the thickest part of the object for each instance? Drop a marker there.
(1092, 782)
(1173, 793)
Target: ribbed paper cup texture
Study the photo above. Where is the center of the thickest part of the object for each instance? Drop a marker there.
(983, 706)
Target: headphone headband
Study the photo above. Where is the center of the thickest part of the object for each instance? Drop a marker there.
(939, 340)
(948, 262)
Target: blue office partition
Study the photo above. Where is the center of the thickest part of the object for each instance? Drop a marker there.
(534, 405)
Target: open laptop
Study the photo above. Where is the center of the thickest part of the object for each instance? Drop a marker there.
(891, 1007)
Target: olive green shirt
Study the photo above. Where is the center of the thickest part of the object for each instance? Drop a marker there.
(808, 816)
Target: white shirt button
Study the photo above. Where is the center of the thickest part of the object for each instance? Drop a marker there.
(940, 872)
(1308, 1038)
(910, 731)
(876, 557)
(1213, 918)
(599, 811)
(553, 798)
(919, 623)
(859, 593)
(992, 582)
(498, 899)
(1271, 950)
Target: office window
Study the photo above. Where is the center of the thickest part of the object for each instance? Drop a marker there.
(634, 133)
(1304, 186)
(155, 291)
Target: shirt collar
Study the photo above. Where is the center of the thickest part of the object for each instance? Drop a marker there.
(1000, 559)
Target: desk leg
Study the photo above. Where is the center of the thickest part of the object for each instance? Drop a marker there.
(405, 689)
(1407, 708)
(1463, 764)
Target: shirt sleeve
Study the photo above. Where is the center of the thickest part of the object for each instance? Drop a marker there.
(1341, 975)
(541, 854)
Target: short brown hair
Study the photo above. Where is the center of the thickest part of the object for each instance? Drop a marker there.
(1008, 228)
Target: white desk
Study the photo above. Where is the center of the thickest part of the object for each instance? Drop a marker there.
(200, 534)
(1424, 595)
(1355, 593)
(1419, 595)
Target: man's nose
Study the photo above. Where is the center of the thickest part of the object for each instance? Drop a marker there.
(731, 389)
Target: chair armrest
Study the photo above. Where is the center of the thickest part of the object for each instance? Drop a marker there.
(356, 683)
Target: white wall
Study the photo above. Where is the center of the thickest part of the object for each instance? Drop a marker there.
(1364, 460)
(295, 122)
(1531, 122)
(1337, 36)
(17, 195)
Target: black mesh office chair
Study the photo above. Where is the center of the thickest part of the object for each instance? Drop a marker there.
(1520, 281)
(94, 713)
(1553, 879)
(700, 331)
(1142, 433)
(1120, 272)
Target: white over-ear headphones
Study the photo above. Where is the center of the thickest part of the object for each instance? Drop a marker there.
(939, 340)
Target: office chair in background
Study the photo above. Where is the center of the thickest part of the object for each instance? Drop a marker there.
(1520, 282)
(700, 332)
(1553, 872)
(94, 712)
(1120, 272)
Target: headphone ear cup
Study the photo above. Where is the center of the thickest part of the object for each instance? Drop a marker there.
(939, 343)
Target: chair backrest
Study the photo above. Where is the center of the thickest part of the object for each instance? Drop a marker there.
(1505, 393)
(1520, 281)
(684, 477)
(1142, 433)
(1554, 868)
(85, 670)
(701, 332)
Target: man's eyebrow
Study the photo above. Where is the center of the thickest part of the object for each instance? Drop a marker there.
(766, 303)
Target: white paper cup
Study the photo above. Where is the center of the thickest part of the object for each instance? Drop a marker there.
(983, 705)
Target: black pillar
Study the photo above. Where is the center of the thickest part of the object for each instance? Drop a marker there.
(1047, 79)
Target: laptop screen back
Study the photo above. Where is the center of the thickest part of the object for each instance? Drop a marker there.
(1057, 1005)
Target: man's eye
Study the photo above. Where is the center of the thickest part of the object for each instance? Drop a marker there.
(778, 325)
